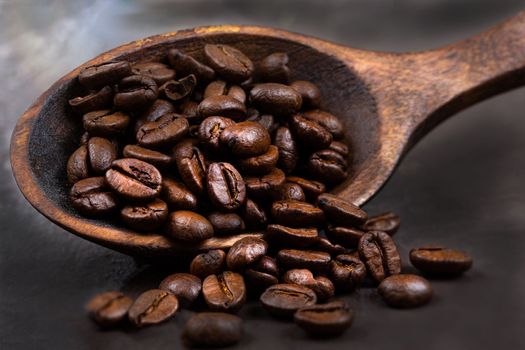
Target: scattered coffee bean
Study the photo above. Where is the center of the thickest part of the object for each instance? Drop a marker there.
(191, 165)
(106, 73)
(291, 191)
(135, 92)
(265, 186)
(154, 112)
(347, 272)
(340, 211)
(148, 217)
(322, 286)
(309, 133)
(387, 222)
(152, 307)
(273, 68)
(224, 292)
(244, 252)
(101, 153)
(212, 262)
(246, 139)
(327, 166)
(325, 245)
(105, 123)
(310, 93)
(212, 329)
(405, 291)
(92, 102)
(328, 121)
(155, 158)
(346, 236)
(222, 105)
(134, 179)
(325, 320)
(226, 223)
(254, 215)
(177, 195)
(211, 129)
(178, 90)
(262, 274)
(184, 286)
(276, 99)
(226, 188)
(261, 164)
(92, 197)
(157, 71)
(340, 148)
(312, 189)
(229, 62)
(439, 260)
(292, 237)
(185, 65)
(78, 165)
(188, 226)
(283, 300)
(296, 213)
(109, 309)
(379, 253)
(304, 259)
(288, 150)
(165, 131)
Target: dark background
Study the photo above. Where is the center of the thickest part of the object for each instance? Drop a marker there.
(462, 186)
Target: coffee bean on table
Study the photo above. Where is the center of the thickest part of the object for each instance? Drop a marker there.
(288, 150)
(439, 260)
(184, 286)
(211, 129)
(324, 320)
(155, 158)
(178, 90)
(346, 236)
(105, 123)
(254, 215)
(191, 165)
(157, 71)
(188, 226)
(212, 262)
(106, 73)
(296, 213)
(226, 188)
(273, 68)
(152, 307)
(379, 253)
(405, 291)
(177, 195)
(109, 309)
(262, 274)
(325, 245)
(261, 164)
(310, 93)
(134, 179)
(314, 261)
(312, 189)
(387, 222)
(222, 105)
(347, 272)
(275, 99)
(339, 211)
(147, 217)
(92, 197)
(163, 132)
(101, 153)
(212, 329)
(78, 165)
(265, 186)
(185, 65)
(291, 190)
(309, 133)
(327, 166)
(135, 92)
(328, 121)
(322, 286)
(229, 62)
(226, 223)
(292, 237)
(224, 292)
(94, 101)
(283, 300)
(244, 252)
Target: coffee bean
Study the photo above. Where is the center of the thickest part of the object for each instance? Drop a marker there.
(177, 195)
(328, 121)
(190, 111)
(266, 120)
(309, 133)
(224, 292)
(327, 166)
(211, 129)
(347, 272)
(135, 92)
(310, 93)
(91, 197)
(212, 329)
(322, 286)
(261, 164)
(157, 71)
(292, 237)
(78, 165)
(148, 217)
(304, 259)
(210, 263)
(184, 286)
(109, 309)
(229, 62)
(265, 186)
(276, 99)
(188, 226)
(155, 158)
(439, 260)
(216, 88)
(296, 213)
(106, 73)
(340, 148)
(226, 223)
(262, 274)
(340, 211)
(237, 93)
(177, 90)
(134, 179)
(152, 307)
(185, 65)
(244, 252)
(254, 215)
(163, 132)
(246, 139)
(312, 189)
(387, 222)
(325, 320)
(379, 253)
(92, 102)
(346, 236)
(288, 151)
(291, 191)
(191, 165)
(226, 188)
(325, 245)
(222, 105)
(105, 123)
(84, 138)
(405, 291)
(101, 153)
(154, 112)
(283, 300)
(273, 68)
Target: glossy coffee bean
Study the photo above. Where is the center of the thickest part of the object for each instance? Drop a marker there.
(105, 123)
(387, 222)
(340, 147)
(101, 153)
(147, 217)
(276, 99)
(262, 274)
(92, 197)
(78, 165)
(188, 226)
(439, 260)
(346, 236)
(190, 111)
(185, 65)
(211, 129)
(379, 253)
(327, 166)
(291, 191)
(340, 211)
(237, 93)
(106, 73)
(312, 189)
(134, 179)
(266, 120)
(177, 195)
(212, 262)
(262, 164)
(322, 286)
(288, 150)
(273, 68)
(246, 139)
(152, 307)
(84, 138)
(325, 320)
(347, 272)
(157, 71)
(224, 292)
(155, 158)
(328, 121)
(226, 188)
(309, 133)
(154, 112)
(135, 92)
(283, 300)
(109, 309)
(254, 215)
(163, 132)
(184, 286)
(226, 223)
(310, 93)
(191, 165)
(244, 252)
(215, 88)
(222, 105)
(178, 90)
(292, 237)
(212, 329)
(229, 62)
(323, 244)
(265, 186)
(405, 291)
(92, 102)
(296, 213)
(303, 259)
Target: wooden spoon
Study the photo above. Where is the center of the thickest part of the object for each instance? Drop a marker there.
(388, 101)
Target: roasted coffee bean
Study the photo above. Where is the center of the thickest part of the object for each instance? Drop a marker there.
(327, 166)
(288, 151)
(212, 329)
(347, 272)
(101, 153)
(325, 320)
(340, 148)
(155, 158)
(190, 111)
(152, 307)
(105, 123)
(134, 179)
(244, 252)
(78, 165)
(310, 93)
(293, 237)
(246, 139)
(291, 191)
(184, 286)
(191, 165)
(210, 131)
(346, 236)
(322, 286)
(296, 213)
(387, 222)
(261, 164)
(328, 121)
(84, 138)
(439, 260)
(163, 132)
(148, 217)
(212, 262)
(254, 215)
(379, 253)
(224, 292)
(283, 300)
(312, 189)
(226, 223)
(135, 92)
(325, 245)
(276, 99)
(92, 197)
(266, 120)
(304, 259)
(273, 68)
(405, 291)
(177, 195)
(222, 105)
(340, 211)
(188, 226)
(262, 274)
(237, 93)
(229, 62)
(265, 186)
(154, 112)
(106, 73)
(185, 65)
(309, 133)
(109, 309)
(177, 90)
(92, 102)
(157, 71)
(216, 88)
(226, 188)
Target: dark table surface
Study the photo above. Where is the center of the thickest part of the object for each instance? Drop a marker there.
(462, 186)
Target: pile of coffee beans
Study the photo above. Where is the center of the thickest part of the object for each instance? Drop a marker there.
(193, 150)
